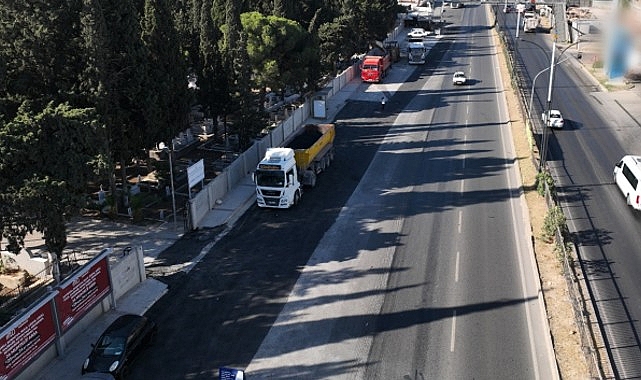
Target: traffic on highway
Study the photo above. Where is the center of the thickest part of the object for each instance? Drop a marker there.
(406, 260)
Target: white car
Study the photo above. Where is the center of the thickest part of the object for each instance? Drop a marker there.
(416, 33)
(459, 78)
(554, 121)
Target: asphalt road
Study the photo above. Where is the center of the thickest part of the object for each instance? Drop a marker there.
(605, 231)
(440, 283)
(218, 314)
(404, 261)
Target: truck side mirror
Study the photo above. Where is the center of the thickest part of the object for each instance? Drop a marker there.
(290, 179)
(253, 176)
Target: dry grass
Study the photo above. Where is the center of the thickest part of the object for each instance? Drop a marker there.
(567, 344)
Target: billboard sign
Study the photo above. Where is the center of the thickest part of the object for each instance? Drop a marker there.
(24, 341)
(81, 293)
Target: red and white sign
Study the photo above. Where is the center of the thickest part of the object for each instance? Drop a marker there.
(82, 293)
(23, 343)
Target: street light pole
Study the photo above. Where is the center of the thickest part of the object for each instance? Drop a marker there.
(173, 192)
(529, 110)
(544, 142)
(170, 153)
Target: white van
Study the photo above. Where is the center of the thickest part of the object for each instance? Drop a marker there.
(627, 175)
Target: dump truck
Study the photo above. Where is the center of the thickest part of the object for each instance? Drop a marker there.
(282, 173)
(375, 65)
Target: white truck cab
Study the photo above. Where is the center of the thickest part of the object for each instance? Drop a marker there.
(276, 177)
(416, 53)
(627, 175)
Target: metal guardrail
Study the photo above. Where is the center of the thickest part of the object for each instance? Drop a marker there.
(576, 292)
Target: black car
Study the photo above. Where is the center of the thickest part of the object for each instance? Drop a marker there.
(119, 344)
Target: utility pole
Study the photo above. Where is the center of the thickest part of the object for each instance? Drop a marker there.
(544, 141)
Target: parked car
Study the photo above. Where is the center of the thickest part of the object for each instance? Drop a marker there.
(459, 78)
(554, 121)
(456, 4)
(417, 33)
(119, 344)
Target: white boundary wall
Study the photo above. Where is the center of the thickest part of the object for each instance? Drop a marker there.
(205, 200)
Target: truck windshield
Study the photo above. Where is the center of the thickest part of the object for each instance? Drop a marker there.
(370, 67)
(275, 178)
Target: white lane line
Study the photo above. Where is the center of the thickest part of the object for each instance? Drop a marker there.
(456, 266)
(460, 220)
(452, 340)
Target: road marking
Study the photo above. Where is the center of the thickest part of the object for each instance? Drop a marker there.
(460, 220)
(452, 339)
(463, 164)
(456, 266)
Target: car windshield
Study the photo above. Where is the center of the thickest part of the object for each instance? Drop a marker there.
(270, 178)
(110, 346)
(555, 115)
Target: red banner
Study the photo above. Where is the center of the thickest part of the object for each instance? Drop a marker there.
(23, 343)
(80, 295)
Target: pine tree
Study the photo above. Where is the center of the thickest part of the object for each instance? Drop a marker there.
(168, 99)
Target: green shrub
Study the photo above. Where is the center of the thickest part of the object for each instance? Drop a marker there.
(563, 252)
(553, 219)
(542, 178)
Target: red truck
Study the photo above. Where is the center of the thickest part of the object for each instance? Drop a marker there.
(375, 65)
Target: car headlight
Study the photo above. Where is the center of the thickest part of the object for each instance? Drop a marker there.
(113, 366)
(85, 364)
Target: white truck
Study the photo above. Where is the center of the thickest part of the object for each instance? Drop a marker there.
(530, 22)
(416, 53)
(282, 173)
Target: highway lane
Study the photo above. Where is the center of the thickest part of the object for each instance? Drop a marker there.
(218, 314)
(605, 230)
(452, 292)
